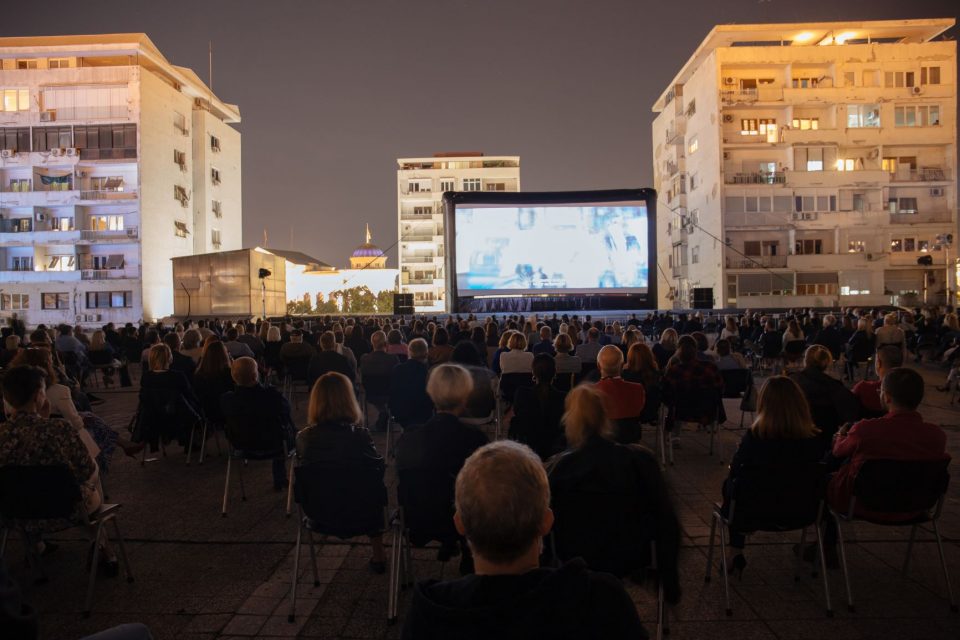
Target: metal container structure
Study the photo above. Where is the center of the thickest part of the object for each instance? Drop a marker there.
(227, 283)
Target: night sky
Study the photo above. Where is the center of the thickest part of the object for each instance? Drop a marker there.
(332, 92)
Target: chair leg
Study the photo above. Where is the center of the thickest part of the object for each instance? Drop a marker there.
(393, 594)
(88, 603)
(823, 567)
(243, 490)
(708, 572)
(193, 432)
(843, 564)
(906, 559)
(289, 486)
(296, 574)
(661, 611)
(226, 489)
(216, 438)
(799, 563)
(943, 563)
(3, 544)
(203, 441)
(723, 568)
(713, 430)
(670, 446)
(122, 548)
(313, 558)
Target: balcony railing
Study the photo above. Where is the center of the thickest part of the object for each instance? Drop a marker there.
(419, 281)
(108, 154)
(925, 174)
(921, 217)
(761, 177)
(109, 274)
(130, 233)
(417, 259)
(737, 261)
(108, 195)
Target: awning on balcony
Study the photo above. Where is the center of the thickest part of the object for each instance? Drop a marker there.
(115, 261)
(113, 184)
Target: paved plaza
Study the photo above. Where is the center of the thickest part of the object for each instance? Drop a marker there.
(200, 576)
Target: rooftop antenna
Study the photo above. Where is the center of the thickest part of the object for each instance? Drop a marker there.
(291, 237)
(265, 243)
(210, 65)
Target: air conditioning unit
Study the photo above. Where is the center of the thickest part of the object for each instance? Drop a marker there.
(916, 90)
(8, 153)
(726, 155)
(729, 81)
(131, 233)
(40, 216)
(728, 117)
(936, 192)
(79, 173)
(57, 151)
(49, 115)
(73, 151)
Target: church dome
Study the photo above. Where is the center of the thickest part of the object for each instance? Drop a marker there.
(367, 250)
(368, 255)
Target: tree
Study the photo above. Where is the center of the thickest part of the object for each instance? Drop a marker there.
(385, 301)
(300, 307)
(326, 306)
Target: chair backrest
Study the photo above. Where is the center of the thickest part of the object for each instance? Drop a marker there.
(564, 381)
(795, 348)
(777, 497)
(343, 500)
(246, 432)
(376, 386)
(426, 496)
(772, 345)
(32, 492)
(735, 382)
(510, 382)
(901, 486)
(696, 405)
(297, 368)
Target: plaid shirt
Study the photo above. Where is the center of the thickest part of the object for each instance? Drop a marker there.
(684, 380)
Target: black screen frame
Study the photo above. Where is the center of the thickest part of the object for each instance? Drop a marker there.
(456, 303)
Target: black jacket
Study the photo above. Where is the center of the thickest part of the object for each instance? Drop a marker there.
(832, 339)
(831, 403)
(258, 416)
(327, 361)
(409, 402)
(754, 451)
(610, 501)
(549, 604)
(334, 442)
(536, 420)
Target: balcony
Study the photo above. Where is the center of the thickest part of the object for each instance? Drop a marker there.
(922, 217)
(123, 235)
(679, 271)
(766, 93)
(419, 281)
(417, 217)
(761, 177)
(756, 219)
(736, 261)
(924, 174)
(418, 237)
(827, 261)
(675, 134)
(110, 274)
(871, 177)
(39, 276)
(417, 259)
(104, 194)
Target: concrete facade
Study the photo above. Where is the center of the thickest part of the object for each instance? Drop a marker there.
(105, 175)
(421, 183)
(810, 164)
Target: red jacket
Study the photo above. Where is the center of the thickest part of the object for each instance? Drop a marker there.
(622, 399)
(896, 436)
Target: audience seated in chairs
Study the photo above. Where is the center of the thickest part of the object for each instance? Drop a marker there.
(867, 392)
(103, 356)
(783, 433)
(11, 347)
(691, 387)
(168, 409)
(409, 403)
(830, 336)
(181, 362)
(611, 500)
(624, 401)
(516, 359)
(430, 456)
(31, 437)
(190, 346)
(212, 379)
(641, 367)
(727, 358)
(538, 411)
(376, 369)
(860, 348)
(257, 413)
(271, 350)
(333, 437)
(568, 365)
(503, 510)
(440, 349)
(831, 403)
(666, 347)
(482, 403)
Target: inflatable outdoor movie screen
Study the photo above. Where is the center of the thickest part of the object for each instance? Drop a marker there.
(558, 244)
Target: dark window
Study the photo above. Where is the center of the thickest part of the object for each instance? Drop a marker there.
(55, 301)
(18, 139)
(47, 138)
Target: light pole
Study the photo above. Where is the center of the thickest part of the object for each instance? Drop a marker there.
(263, 274)
(945, 241)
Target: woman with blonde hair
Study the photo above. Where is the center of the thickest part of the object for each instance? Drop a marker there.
(333, 436)
(783, 433)
(168, 406)
(890, 334)
(829, 401)
(665, 349)
(517, 359)
(585, 416)
(565, 360)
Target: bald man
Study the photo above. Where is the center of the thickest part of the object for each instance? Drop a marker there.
(623, 399)
(254, 406)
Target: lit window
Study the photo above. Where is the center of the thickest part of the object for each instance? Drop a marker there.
(863, 115)
(693, 145)
(180, 229)
(856, 246)
(896, 245)
(55, 301)
(923, 115)
(805, 124)
(471, 184)
(929, 75)
(15, 100)
(14, 301)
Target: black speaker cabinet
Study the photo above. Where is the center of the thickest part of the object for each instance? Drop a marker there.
(403, 304)
(701, 298)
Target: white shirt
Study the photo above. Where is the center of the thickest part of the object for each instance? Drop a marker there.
(516, 361)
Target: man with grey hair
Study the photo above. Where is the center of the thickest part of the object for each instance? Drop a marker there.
(409, 402)
(503, 510)
(378, 364)
(623, 400)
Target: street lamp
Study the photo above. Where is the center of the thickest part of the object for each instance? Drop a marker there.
(263, 274)
(945, 241)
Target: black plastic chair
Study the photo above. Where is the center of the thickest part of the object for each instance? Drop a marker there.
(296, 371)
(507, 389)
(376, 391)
(50, 492)
(793, 352)
(775, 498)
(162, 416)
(915, 489)
(339, 500)
(700, 406)
(249, 440)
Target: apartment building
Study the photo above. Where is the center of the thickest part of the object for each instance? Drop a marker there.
(421, 183)
(112, 162)
(810, 164)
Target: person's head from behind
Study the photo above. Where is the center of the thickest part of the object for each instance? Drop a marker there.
(503, 503)
(901, 389)
(232, 334)
(723, 347)
(245, 372)
(440, 337)
(466, 353)
(328, 341)
(159, 357)
(610, 361)
(172, 340)
(214, 360)
(151, 337)
(39, 358)
(24, 387)
(563, 344)
(517, 342)
(545, 333)
(890, 319)
(378, 341)
(640, 358)
(593, 334)
(585, 416)
(417, 349)
(296, 336)
(817, 356)
(449, 386)
(783, 411)
(669, 338)
(888, 358)
(273, 334)
(332, 400)
(191, 340)
(394, 337)
(11, 342)
(544, 369)
(686, 348)
(701, 339)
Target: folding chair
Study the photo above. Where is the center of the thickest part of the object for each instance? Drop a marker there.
(775, 498)
(295, 372)
(700, 406)
(30, 493)
(738, 384)
(340, 500)
(912, 489)
(253, 441)
(507, 389)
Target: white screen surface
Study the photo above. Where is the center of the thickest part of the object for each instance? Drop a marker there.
(564, 248)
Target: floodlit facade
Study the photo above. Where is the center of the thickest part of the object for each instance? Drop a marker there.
(810, 164)
(421, 183)
(112, 162)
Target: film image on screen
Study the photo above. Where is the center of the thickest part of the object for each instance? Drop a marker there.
(577, 248)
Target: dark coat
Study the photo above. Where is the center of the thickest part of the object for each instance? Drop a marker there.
(409, 403)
